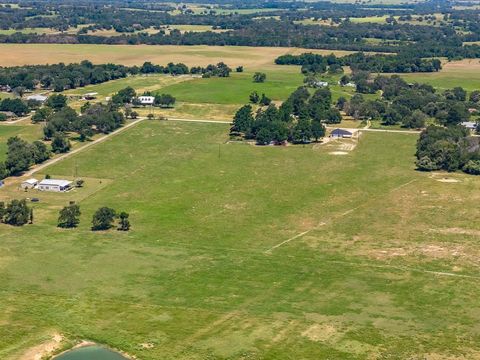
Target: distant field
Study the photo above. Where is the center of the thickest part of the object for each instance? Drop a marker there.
(465, 73)
(236, 89)
(245, 252)
(39, 31)
(250, 57)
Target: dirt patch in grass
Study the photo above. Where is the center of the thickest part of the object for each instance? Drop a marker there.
(318, 332)
(43, 350)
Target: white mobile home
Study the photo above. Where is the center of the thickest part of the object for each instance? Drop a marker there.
(146, 100)
(54, 185)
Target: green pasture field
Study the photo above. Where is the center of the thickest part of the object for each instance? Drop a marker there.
(465, 73)
(237, 88)
(24, 130)
(245, 252)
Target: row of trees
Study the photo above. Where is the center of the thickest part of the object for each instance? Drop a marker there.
(299, 119)
(319, 64)
(59, 77)
(103, 218)
(18, 213)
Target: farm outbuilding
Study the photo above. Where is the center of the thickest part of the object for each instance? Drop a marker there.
(341, 133)
(29, 183)
(54, 185)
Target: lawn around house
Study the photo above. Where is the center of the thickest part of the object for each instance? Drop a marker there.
(214, 265)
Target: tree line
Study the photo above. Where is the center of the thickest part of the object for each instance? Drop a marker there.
(18, 213)
(60, 77)
(318, 64)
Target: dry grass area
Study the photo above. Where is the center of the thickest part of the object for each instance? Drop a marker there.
(253, 57)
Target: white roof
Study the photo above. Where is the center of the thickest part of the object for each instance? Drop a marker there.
(469, 124)
(31, 181)
(37, 97)
(146, 99)
(91, 94)
(55, 182)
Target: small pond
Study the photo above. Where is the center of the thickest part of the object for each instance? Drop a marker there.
(93, 352)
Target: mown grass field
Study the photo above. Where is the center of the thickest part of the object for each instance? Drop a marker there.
(216, 265)
(465, 73)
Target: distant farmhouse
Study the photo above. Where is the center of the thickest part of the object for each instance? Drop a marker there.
(341, 133)
(55, 185)
(320, 83)
(146, 100)
(470, 125)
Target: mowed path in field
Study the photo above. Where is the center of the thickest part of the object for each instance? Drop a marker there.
(198, 55)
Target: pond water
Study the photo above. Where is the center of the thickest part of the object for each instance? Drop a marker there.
(91, 353)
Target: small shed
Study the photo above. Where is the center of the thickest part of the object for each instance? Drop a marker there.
(341, 133)
(29, 183)
(56, 185)
(90, 96)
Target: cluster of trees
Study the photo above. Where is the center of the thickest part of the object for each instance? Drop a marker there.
(128, 95)
(220, 69)
(16, 106)
(319, 64)
(16, 213)
(95, 118)
(410, 105)
(448, 148)
(60, 76)
(21, 155)
(299, 119)
(103, 218)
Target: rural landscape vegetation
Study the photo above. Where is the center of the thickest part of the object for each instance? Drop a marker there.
(239, 179)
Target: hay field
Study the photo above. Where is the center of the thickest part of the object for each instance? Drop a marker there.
(253, 57)
(464, 73)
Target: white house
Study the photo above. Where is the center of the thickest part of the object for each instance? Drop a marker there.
(54, 185)
(146, 100)
(469, 125)
(38, 97)
(320, 84)
(29, 183)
